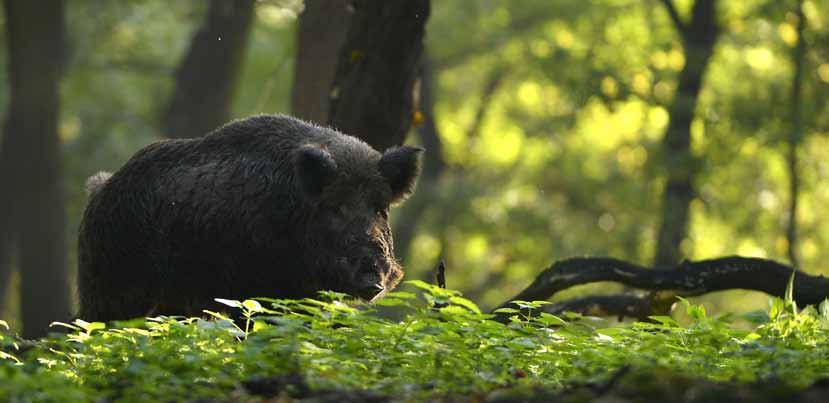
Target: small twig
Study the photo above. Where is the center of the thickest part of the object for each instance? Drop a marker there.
(440, 274)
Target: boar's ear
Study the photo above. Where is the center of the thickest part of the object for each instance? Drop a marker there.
(315, 168)
(401, 167)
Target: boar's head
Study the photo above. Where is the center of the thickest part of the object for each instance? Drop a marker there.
(347, 189)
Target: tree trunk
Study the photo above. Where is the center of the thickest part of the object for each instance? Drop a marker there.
(373, 92)
(698, 37)
(36, 55)
(320, 35)
(795, 136)
(6, 231)
(206, 77)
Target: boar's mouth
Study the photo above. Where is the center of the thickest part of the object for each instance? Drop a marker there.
(368, 278)
(371, 293)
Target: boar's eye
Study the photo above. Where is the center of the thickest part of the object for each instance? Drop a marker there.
(401, 167)
(315, 168)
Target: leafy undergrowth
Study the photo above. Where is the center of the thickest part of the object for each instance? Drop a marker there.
(444, 349)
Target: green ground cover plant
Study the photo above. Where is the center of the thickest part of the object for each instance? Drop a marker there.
(441, 347)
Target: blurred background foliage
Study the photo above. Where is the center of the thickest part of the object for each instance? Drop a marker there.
(550, 116)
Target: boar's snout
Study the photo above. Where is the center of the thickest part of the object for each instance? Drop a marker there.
(369, 273)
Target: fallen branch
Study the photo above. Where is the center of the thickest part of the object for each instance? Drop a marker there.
(686, 279)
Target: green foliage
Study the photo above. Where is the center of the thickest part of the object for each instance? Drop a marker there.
(567, 159)
(444, 346)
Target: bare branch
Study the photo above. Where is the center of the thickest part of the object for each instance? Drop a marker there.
(493, 81)
(674, 14)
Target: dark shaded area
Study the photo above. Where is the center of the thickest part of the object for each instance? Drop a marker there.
(662, 385)
(206, 77)
(373, 92)
(625, 385)
(292, 385)
(32, 205)
(620, 306)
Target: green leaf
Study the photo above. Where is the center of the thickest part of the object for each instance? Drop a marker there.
(549, 319)
(824, 309)
(665, 320)
(389, 301)
(7, 356)
(789, 298)
(757, 317)
(465, 303)
(217, 315)
(751, 337)
(401, 295)
(252, 305)
(229, 302)
(423, 285)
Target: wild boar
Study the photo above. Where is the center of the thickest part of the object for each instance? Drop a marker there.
(267, 206)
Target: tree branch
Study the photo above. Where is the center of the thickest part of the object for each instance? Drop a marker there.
(687, 278)
(672, 12)
(491, 85)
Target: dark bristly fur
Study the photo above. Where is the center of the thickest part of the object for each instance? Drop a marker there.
(266, 206)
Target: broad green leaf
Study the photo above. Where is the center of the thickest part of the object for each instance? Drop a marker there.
(229, 302)
(465, 303)
(252, 305)
(665, 320)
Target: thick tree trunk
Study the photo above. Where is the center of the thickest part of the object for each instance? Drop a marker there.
(698, 37)
(795, 136)
(206, 77)
(372, 96)
(36, 46)
(321, 32)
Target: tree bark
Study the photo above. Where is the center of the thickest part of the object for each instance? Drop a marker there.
(7, 235)
(698, 38)
(321, 32)
(36, 33)
(207, 76)
(795, 136)
(372, 95)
